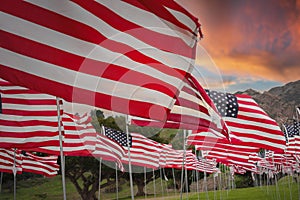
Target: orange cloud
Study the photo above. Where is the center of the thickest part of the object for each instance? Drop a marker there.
(258, 38)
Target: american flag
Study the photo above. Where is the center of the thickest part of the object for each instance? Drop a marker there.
(46, 166)
(7, 159)
(144, 152)
(28, 118)
(129, 57)
(79, 135)
(248, 122)
(292, 133)
(118, 136)
(193, 110)
(109, 150)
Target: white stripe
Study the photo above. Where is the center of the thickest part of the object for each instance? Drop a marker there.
(18, 88)
(17, 140)
(251, 107)
(15, 129)
(264, 142)
(192, 98)
(247, 122)
(29, 107)
(28, 96)
(17, 118)
(86, 49)
(247, 99)
(140, 17)
(149, 20)
(88, 82)
(251, 133)
(186, 20)
(255, 115)
(191, 112)
(71, 10)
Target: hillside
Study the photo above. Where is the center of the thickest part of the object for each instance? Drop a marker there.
(278, 102)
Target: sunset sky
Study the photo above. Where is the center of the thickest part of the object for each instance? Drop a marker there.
(247, 44)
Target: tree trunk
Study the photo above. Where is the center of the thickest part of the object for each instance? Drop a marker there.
(140, 187)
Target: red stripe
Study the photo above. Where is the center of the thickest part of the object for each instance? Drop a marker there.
(255, 119)
(27, 123)
(74, 28)
(73, 94)
(29, 144)
(185, 103)
(157, 7)
(28, 113)
(36, 102)
(84, 65)
(250, 110)
(254, 127)
(145, 34)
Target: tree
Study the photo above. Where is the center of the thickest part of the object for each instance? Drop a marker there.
(83, 172)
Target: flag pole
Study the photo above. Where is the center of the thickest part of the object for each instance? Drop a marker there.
(174, 181)
(99, 188)
(161, 182)
(154, 187)
(14, 169)
(1, 179)
(182, 167)
(62, 159)
(197, 180)
(129, 160)
(117, 189)
(186, 183)
(166, 181)
(297, 116)
(145, 179)
(214, 179)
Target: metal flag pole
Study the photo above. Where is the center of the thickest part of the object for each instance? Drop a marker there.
(166, 181)
(100, 177)
(117, 189)
(14, 169)
(154, 186)
(182, 167)
(1, 179)
(290, 184)
(129, 160)
(145, 179)
(214, 179)
(220, 182)
(186, 184)
(62, 159)
(297, 116)
(161, 182)
(174, 181)
(197, 180)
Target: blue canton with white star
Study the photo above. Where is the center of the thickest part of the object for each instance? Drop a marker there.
(118, 136)
(226, 103)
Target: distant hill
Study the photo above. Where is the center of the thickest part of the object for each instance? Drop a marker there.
(278, 102)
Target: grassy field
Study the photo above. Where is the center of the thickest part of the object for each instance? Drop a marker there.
(42, 188)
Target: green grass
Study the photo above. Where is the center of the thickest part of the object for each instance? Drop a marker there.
(51, 188)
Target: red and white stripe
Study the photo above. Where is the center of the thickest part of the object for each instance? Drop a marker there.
(215, 147)
(7, 159)
(144, 152)
(28, 119)
(193, 110)
(129, 57)
(171, 158)
(79, 138)
(46, 166)
(254, 127)
(109, 150)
